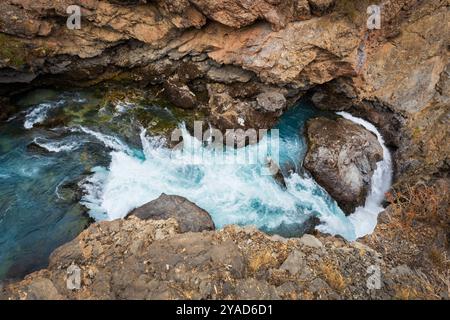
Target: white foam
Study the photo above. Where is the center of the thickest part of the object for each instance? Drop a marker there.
(364, 219)
(232, 191)
(109, 141)
(57, 146)
(39, 113)
(122, 107)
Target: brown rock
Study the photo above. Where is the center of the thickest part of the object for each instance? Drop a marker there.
(179, 94)
(271, 101)
(321, 7)
(342, 157)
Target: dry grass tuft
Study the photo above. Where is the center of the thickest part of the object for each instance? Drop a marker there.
(333, 277)
(406, 293)
(260, 260)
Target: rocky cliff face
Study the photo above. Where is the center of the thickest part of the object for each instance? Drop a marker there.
(222, 55)
(244, 63)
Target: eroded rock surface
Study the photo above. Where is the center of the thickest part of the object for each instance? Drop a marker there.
(189, 216)
(342, 157)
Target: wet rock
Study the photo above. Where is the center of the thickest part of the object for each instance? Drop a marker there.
(342, 157)
(294, 229)
(276, 173)
(237, 117)
(189, 216)
(179, 94)
(33, 147)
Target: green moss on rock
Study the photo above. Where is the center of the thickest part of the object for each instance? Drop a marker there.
(12, 51)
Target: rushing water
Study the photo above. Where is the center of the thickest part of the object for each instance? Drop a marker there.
(60, 143)
(365, 217)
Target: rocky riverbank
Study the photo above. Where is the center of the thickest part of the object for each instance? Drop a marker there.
(243, 65)
(153, 259)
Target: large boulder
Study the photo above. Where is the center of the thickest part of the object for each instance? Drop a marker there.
(189, 216)
(342, 157)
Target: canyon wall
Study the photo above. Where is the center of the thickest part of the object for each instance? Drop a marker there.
(227, 57)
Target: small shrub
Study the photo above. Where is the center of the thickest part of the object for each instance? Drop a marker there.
(419, 202)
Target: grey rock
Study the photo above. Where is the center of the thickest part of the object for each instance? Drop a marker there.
(318, 285)
(271, 101)
(310, 241)
(252, 289)
(43, 289)
(294, 263)
(229, 74)
(402, 270)
(189, 216)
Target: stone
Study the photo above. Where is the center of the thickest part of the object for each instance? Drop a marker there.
(295, 262)
(229, 74)
(310, 241)
(276, 173)
(253, 289)
(190, 217)
(271, 101)
(321, 7)
(180, 94)
(43, 289)
(342, 157)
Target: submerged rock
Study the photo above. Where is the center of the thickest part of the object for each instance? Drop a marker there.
(35, 148)
(189, 216)
(276, 173)
(342, 157)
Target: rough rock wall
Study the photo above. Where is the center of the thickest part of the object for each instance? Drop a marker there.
(221, 55)
(213, 54)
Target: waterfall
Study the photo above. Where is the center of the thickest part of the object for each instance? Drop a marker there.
(364, 219)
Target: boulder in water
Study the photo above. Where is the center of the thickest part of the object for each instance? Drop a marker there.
(342, 157)
(35, 148)
(189, 216)
(276, 173)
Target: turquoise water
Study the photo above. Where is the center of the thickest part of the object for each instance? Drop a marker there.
(65, 156)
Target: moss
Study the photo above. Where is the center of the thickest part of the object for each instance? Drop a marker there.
(12, 50)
